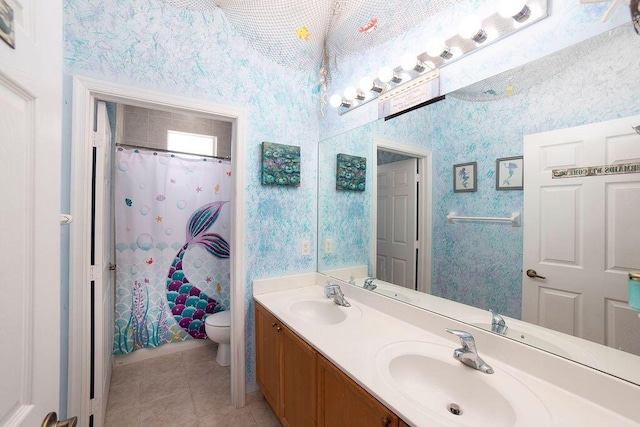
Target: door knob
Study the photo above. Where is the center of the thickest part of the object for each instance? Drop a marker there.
(51, 420)
(534, 274)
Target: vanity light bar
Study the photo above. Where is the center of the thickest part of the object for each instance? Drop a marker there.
(513, 16)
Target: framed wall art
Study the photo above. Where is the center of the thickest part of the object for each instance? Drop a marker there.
(280, 164)
(465, 177)
(351, 172)
(510, 173)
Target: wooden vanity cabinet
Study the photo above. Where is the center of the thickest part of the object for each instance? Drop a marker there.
(305, 389)
(286, 371)
(268, 351)
(342, 402)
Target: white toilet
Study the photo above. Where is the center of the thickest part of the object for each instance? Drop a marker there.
(218, 329)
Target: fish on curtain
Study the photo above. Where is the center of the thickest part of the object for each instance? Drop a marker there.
(167, 283)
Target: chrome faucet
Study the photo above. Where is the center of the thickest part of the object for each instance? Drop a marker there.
(368, 283)
(498, 325)
(334, 291)
(468, 353)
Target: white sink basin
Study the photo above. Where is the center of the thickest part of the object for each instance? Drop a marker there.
(427, 375)
(321, 311)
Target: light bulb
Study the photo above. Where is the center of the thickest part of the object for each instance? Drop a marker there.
(366, 83)
(385, 74)
(430, 65)
(516, 9)
(350, 93)
(470, 26)
(435, 47)
(335, 101)
(408, 62)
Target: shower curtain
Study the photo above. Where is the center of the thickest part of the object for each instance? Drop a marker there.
(172, 228)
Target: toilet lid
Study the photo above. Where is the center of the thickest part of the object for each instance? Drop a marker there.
(221, 318)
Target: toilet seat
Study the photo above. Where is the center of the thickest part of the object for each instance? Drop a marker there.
(219, 319)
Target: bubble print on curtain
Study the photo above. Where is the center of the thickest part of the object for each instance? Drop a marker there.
(172, 228)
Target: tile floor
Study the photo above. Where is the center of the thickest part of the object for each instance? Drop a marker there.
(186, 389)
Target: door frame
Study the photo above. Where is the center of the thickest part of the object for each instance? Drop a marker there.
(85, 92)
(424, 206)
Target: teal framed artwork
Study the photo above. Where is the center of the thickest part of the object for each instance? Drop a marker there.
(351, 172)
(280, 164)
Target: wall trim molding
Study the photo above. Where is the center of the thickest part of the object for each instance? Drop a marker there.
(85, 93)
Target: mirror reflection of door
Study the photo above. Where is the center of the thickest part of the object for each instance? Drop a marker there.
(581, 233)
(397, 219)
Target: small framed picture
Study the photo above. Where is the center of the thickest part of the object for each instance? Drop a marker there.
(280, 164)
(7, 32)
(464, 177)
(509, 173)
(351, 172)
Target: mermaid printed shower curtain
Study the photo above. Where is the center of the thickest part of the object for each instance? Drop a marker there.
(172, 228)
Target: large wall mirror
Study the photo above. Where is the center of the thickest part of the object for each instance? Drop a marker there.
(472, 267)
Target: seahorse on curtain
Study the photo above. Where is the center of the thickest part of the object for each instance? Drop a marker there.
(189, 305)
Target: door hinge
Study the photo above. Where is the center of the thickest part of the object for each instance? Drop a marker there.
(94, 406)
(96, 139)
(92, 272)
(418, 178)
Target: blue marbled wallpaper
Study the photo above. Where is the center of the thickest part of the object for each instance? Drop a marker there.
(152, 45)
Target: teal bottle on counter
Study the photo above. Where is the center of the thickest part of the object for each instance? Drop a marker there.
(634, 290)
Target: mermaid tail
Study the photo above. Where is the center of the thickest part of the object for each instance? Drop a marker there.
(189, 305)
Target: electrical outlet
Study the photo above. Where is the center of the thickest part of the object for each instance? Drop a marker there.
(328, 246)
(306, 248)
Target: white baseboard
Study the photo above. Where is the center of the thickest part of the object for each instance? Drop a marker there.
(163, 350)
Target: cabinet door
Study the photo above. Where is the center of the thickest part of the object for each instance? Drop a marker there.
(268, 351)
(342, 402)
(299, 381)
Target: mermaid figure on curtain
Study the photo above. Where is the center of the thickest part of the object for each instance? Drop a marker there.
(188, 304)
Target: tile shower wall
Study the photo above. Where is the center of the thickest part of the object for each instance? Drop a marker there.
(152, 45)
(148, 128)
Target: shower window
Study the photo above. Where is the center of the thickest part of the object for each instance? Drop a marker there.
(183, 142)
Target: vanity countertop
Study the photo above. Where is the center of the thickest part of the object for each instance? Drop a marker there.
(571, 395)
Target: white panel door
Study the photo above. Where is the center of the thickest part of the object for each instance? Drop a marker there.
(30, 142)
(581, 234)
(397, 221)
(103, 284)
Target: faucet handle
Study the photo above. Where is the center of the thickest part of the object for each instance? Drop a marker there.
(466, 339)
(331, 290)
(498, 324)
